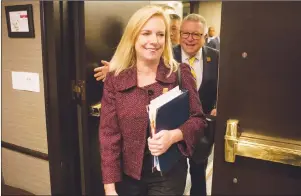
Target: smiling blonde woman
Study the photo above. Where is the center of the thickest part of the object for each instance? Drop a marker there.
(141, 68)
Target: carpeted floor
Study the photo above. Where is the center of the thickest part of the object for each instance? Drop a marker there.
(9, 190)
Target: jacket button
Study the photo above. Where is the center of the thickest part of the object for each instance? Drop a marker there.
(150, 92)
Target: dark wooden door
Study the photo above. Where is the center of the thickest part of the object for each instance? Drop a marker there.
(259, 86)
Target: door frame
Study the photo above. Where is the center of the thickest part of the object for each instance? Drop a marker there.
(78, 29)
(60, 109)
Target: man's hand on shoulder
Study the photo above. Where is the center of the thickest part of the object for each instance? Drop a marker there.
(101, 72)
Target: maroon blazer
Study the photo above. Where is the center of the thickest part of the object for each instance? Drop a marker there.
(124, 120)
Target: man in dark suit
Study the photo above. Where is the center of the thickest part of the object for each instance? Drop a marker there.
(203, 62)
(212, 41)
(175, 23)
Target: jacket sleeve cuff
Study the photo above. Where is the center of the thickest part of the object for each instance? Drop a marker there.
(111, 177)
(190, 136)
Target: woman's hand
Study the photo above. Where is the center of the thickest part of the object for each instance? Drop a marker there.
(110, 189)
(111, 193)
(162, 140)
(213, 112)
(159, 143)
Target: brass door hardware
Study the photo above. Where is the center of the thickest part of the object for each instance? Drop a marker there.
(95, 109)
(259, 147)
(78, 89)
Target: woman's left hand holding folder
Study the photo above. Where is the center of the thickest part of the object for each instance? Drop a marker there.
(162, 140)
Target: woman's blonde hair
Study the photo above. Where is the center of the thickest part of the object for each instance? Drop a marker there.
(125, 54)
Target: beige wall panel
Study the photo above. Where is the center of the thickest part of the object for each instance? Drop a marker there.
(212, 12)
(25, 172)
(23, 113)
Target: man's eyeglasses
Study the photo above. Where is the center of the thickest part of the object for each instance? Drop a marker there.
(195, 36)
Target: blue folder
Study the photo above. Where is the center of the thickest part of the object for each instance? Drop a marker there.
(171, 116)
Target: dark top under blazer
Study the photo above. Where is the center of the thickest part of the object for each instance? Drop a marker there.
(124, 120)
(208, 88)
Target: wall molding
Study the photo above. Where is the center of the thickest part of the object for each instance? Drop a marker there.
(23, 150)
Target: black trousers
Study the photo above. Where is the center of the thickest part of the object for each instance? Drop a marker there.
(198, 178)
(171, 183)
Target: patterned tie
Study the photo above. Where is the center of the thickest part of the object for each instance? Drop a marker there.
(191, 63)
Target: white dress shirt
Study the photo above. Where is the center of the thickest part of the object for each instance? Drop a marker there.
(197, 65)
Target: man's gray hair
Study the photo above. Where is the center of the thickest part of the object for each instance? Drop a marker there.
(197, 18)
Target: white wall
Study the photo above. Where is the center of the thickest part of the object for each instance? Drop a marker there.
(177, 5)
(23, 112)
(212, 12)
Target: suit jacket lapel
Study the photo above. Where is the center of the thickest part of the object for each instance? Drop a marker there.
(205, 65)
(177, 53)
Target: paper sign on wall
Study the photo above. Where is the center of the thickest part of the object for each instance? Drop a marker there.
(19, 21)
(26, 81)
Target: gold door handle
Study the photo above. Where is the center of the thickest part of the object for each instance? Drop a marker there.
(260, 147)
(95, 109)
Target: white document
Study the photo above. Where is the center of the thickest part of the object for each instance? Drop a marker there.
(26, 81)
(152, 112)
